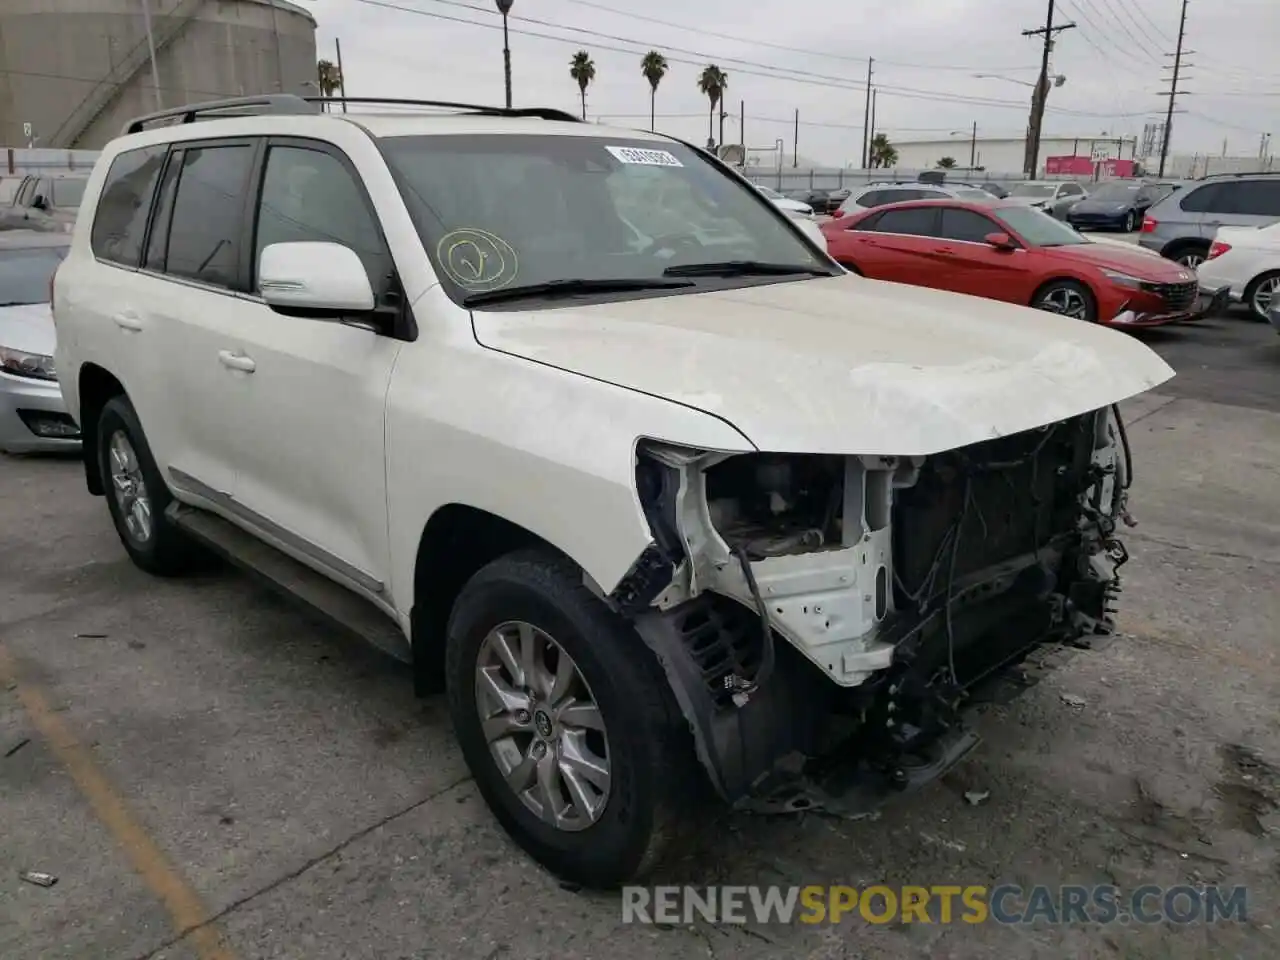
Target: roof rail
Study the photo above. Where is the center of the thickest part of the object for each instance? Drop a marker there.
(289, 103)
(286, 103)
(1241, 173)
(541, 113)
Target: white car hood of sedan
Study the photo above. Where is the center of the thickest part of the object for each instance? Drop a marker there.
(841, 365)
(28, 328)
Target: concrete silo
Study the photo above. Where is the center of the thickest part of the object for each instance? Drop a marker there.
(77, 70)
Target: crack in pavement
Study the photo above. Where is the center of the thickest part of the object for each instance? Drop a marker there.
(303, 868)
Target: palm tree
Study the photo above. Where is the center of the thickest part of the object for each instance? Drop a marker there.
(328, 78)
(947, 163)
(583, 70)
(883, 153)
(713, 82)
(654, 67)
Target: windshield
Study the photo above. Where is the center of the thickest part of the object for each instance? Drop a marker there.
(1035, 190)
(1116, 192)
(507, 211)
(1039, 229)
(24, 274)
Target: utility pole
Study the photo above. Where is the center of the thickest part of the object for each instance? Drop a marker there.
(973, 146)
(342, 77)
(866, 118)
(742, 129)
(795, 142)
(872, 128)
(1173, 88)
(1041, 94)
(151, 51)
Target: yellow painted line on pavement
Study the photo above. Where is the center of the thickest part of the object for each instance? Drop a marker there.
(181, 902)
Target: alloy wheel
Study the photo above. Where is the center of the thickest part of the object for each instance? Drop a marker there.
(544, 728)
(1191, 259)
(129, 488)
(1064, 300)
(1264, 295)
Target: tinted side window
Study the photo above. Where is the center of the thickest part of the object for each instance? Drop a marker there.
(917, 221)
(1072, 190)
(204, 236)
(1259, 198)
(158, 243)
(310, 195)
(871, 199)
(967, 225)
(120, 219)
(898, 196)
(1206, 199)
(868, 223)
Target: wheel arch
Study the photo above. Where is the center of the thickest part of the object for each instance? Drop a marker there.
(456, 542)
(95, 385)
(1066, 278)
(1175, 247)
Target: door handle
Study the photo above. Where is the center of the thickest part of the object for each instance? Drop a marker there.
(945, 251)
(129, 322)
(236, 361)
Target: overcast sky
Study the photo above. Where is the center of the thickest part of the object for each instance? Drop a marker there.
(811, 55)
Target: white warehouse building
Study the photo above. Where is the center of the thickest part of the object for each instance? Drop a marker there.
(1005, 154)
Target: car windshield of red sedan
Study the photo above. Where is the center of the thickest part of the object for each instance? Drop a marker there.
(1039, 229)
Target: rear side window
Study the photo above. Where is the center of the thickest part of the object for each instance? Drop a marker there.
(1258, 198)
(870, 199)
(120, 220)
(917, 221)
(204, 234)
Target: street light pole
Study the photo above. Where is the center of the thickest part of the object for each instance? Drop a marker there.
(151, 49)
(504, 8)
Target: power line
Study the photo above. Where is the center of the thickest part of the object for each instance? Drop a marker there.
(1165, 38)
(781, 73)
(1110, 18)
(1123, 6)
(779, 46)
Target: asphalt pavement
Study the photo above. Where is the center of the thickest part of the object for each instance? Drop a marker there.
(208, 774)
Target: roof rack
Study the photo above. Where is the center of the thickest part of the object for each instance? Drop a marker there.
(292, 104)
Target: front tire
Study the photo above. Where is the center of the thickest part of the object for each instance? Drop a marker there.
(1069, 298)
(567, 722)
(138, 496)
(1130, 222)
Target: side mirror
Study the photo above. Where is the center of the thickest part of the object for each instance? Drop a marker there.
(837, 213)
(1001, 241)
(318, 279)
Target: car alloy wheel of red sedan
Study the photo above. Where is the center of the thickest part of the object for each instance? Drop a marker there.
(1014, 253)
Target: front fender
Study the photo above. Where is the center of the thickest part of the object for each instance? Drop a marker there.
(548, 450)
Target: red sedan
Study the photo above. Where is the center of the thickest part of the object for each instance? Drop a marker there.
(1013, 253)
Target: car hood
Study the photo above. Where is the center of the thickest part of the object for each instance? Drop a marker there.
(843, 364)
(28, 328)
(1126, 258)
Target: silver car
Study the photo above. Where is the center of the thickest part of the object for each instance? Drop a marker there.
(1054, 197)
(1182, 225)
(33, 417)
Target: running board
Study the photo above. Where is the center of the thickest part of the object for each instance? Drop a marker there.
(314, 592)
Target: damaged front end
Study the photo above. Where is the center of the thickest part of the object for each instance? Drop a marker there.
(824, 621)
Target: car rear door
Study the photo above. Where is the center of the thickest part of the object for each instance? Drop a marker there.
(968, 264)
(900, 244)
(1252, 203)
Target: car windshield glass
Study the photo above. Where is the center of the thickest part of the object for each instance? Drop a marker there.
(497, 211)
(1116, 192)
(24, 274)
(1034, 190)
(1039, 229)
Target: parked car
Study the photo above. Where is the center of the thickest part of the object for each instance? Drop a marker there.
(33, 416)
(1054, 197)
(1011, 252)
(660, 515)
(1246, 259)
(1182, 225)
(1117, 205)
(997, 190)
(786, 204)
(56, 197)
(874, 195)
(819, 200)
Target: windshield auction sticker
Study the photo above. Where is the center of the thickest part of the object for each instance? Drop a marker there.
(645, 157)
(477, 260)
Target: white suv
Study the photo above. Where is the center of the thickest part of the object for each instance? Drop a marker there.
(579, 423)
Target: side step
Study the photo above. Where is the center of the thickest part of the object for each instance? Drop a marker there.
(316, 593)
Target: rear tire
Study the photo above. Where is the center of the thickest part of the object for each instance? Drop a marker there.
(138, 496)
(653, 780)
(1261, 294)
(1190, 255)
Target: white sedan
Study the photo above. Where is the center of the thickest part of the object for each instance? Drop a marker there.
(793, 207)
(1248, 260)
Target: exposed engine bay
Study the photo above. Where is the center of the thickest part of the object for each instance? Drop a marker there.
(811, 606)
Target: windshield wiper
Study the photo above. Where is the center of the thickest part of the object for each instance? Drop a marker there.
(568, 287)
(743, 268)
